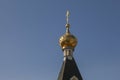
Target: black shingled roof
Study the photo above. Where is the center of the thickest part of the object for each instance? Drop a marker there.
(68, 70)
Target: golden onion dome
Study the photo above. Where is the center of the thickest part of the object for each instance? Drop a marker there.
(68, 40)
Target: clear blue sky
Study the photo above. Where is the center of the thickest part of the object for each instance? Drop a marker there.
(30, 30)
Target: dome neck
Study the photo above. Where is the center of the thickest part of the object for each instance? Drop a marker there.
(67, 28)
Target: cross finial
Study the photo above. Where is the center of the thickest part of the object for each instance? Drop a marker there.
(67, 16)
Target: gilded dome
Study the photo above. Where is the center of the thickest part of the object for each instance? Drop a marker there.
(68, 40)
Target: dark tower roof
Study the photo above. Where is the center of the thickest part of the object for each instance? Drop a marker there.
(69, 70)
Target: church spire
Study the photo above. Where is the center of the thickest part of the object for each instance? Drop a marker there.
(68, 42)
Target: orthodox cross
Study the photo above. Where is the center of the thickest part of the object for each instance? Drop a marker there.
(67, 16)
